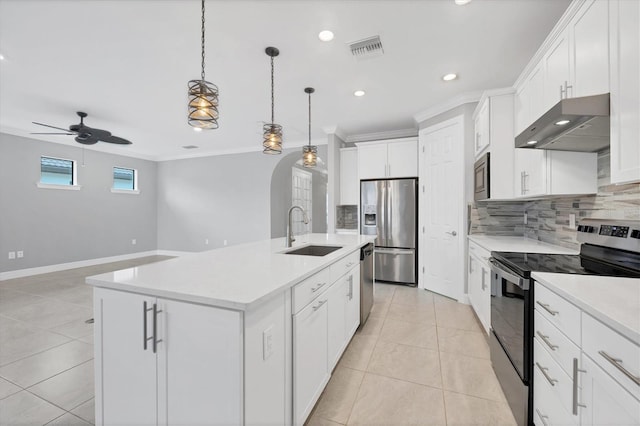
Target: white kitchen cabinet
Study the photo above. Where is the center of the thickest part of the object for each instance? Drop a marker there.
(349, 182)
(624, 40)
(184, 375)
(353, 304)
(482, 127)
(479, 284)
(605, 401)
(529, 100)
(545, 172)
(395, 158)
(557, 79)
(310, 360)
(344, 314)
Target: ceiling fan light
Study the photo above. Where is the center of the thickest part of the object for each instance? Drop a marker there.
(272, 138)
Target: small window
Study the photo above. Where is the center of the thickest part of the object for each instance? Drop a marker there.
(125, 179)
(57, 172)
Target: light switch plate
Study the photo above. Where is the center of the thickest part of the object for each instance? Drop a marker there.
(12, 255)
(572, 221)
(20, 254)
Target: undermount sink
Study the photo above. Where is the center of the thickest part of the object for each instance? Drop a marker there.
(314, 250)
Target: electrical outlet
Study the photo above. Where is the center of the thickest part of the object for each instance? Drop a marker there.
(267, 343)
(206, 241)
(20, 254)
(12, 255)
(224, 243)
(526, 218)
(572, 221)
(133, 242)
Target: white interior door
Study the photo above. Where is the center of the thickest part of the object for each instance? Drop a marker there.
(442, 200)
(301, 195)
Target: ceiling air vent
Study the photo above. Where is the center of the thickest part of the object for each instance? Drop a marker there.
(190, 146)
(368, 48)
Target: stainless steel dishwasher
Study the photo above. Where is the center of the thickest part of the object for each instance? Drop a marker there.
(366, 282)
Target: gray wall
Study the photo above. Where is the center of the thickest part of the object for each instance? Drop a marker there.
(59, 226)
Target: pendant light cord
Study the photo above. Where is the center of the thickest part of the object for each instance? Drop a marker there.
(272, 103)
(202, 73)
(309, 119)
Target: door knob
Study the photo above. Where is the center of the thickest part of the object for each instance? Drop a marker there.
(454, 233)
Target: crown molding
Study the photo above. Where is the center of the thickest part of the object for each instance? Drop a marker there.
(491, 93)
(335, 130)
(464, 98)
(377, 136)
(560, 26)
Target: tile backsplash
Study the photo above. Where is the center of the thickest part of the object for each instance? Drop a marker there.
(548, 219)
(347, 217)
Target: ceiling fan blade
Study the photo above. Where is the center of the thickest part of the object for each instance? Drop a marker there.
(117, 140)
(53, 127)
(34, 133)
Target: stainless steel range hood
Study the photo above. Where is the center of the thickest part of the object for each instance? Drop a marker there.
(573, 124)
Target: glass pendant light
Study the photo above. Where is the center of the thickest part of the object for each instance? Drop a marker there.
(203, 97)
(272, 132)
(309, 152)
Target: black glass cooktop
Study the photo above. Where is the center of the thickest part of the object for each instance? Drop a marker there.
(593, 260)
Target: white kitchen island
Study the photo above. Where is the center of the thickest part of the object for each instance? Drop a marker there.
(239, 335)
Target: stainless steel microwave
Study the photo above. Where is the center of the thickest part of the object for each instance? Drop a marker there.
(481, 178)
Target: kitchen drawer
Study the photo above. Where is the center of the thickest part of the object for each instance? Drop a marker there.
(561, 313)
(547, 409)
(479, 251)
(561, 349)
(344, 265)
(600, 342)
(307, 290)
(562, 386)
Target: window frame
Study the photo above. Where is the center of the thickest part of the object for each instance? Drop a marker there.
(135, 189)
(74, 186)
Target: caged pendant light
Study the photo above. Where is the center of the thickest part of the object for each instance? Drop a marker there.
(203, 97)
(272, 132)
(309, 152)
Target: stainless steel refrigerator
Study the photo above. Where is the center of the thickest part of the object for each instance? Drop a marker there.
(388, 209)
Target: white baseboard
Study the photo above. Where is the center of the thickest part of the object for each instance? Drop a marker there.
(19, 273)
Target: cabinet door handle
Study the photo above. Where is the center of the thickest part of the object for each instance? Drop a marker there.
(318, 287)
(526, 182)
(349, 265)
(617, 363)
(546, 307)
(521, 183)
(350, 287)
(484, 285)
(322, 302)
(470, 264)
(562, 91)
(542, 418)
(145, 338)
(156, 311)
(576, 370)
(546, 340)
(546, 375)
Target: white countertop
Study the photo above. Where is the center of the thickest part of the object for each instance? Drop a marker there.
(612, 300)
(518, 244)
(236, 277)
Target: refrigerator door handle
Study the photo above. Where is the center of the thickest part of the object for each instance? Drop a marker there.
(394, 251)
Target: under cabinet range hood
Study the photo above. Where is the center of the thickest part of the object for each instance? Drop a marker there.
(573, 124)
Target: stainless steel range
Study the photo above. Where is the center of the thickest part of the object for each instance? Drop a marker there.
(609, 248)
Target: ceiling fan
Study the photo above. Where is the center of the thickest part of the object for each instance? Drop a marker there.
(84, 134)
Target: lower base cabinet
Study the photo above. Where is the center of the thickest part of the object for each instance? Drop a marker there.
(166, 362)
(479, 284)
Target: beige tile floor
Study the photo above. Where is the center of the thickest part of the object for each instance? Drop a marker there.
(46, 347)
(421, 359)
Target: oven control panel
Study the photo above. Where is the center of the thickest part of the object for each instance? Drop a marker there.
(614, 231)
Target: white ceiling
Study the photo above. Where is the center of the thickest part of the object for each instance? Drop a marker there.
(127, 64)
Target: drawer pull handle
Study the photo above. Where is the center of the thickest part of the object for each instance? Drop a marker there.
(546, 375)
(322, 302)
(318, 287)
(546, 307)
(617, 363)
(542, 417)
(145, 338)
(348, 265)
(576, 370)
(546, 340)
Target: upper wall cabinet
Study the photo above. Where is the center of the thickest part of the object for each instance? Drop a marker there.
(624, 18)
(576, 63)
(394, 158)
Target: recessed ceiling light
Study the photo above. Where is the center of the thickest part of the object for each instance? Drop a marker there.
(325, 35)
(562, 122)
(358, 93)
(532, 142)
(197, 129)
(190, 146)
(462, 2)
(449, 77)
(1, 57)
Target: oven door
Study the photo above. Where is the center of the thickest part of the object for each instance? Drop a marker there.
(511, 317)
(481, 178)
